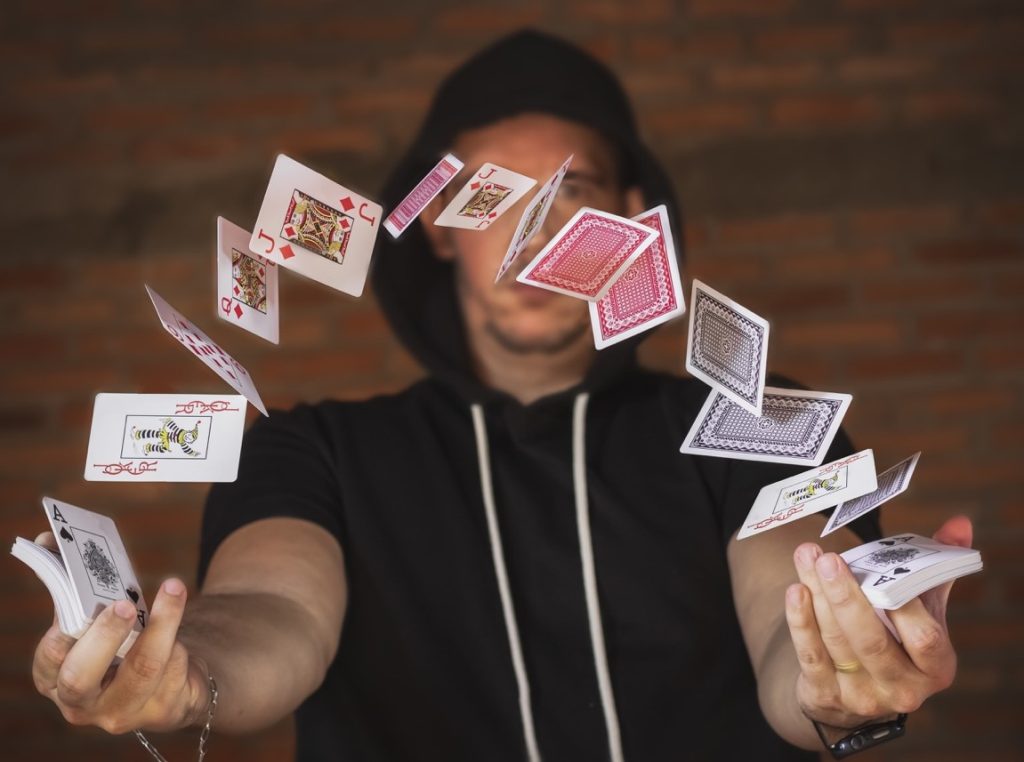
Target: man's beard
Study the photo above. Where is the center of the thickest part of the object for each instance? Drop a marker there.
(548, 345)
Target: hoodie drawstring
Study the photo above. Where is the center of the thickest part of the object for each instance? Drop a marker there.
(589, 580)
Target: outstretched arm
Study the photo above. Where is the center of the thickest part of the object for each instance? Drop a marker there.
(802, 612)
(266, 626)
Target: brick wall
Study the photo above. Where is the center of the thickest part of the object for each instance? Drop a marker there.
(850, 169)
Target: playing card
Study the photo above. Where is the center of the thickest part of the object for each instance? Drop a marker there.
(890, 483)
(795, 426)
(246, 283)
(96, 560)
(165, 438)
(424, 192)
(206, 349)
(727, 346)
(647, 294)
(316, 227)
(588, 254)
(894, 570)
(533, 218)
(812, 491)
(487, 195)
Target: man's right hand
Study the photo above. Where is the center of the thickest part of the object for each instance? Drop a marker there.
(158, 686)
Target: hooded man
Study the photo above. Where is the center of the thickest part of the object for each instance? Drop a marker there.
(515, 558)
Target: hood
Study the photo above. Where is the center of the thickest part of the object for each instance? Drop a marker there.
(528, 71)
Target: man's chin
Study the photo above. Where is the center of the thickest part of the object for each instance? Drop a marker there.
(540, 339)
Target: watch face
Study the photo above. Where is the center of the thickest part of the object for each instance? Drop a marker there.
(861, 738)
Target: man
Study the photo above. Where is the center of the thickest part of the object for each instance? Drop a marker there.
(524, 563)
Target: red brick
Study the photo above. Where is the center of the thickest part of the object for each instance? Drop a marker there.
(259, 107)
(968, 400)
(905, 365)
(1002, 212)
(340, 138)
(657, 47)
(324, 365)
(827, 264)
(1003, 356)
(804, 40)
(826, 111)
(64, 85)
(885, 69)
(783, 228)
(67, 314)
(720, 270)
(879, 5)
(765, 76)
(657, 85)
(796, 300)
(716, 118)
(1009, 285)
(949, 104)
(936, 439)
(969, 252)
(942, 33)
(114, 39)
(844, 333)
(739, 8)
(969, 325)
(387, 28)
(708, 44)
(911, 219)
(168, 150)
(386, 101)
(485, 20)
(134, 118)
(27, 277)
(1009, 435)
(922, 290)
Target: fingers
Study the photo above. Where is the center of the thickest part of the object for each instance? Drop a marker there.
(47, 540)
(957, 530)
(81, 675)
(49, 656)
(815, 662)
(867, 637)
(805, 558)
(926, 642)
(139, 674)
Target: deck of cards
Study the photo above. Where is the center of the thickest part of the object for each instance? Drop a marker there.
(90, 570)
(894, 571)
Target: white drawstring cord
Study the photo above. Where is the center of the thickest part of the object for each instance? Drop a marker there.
(498, 556)
(579, 477)
(579, 474)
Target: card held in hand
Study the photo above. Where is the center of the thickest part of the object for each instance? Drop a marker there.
(165, 438)
(647, 294)
(797, 496)
(588, 254)
(316, 227)
(246, 283)
(207, 350)
(795, 426)
(727, 346)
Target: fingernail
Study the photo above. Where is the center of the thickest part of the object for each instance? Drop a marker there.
(827, 567)
(124, 609)
(808, 556)
(174, 587)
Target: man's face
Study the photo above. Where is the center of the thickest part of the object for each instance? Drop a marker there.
(521, 318)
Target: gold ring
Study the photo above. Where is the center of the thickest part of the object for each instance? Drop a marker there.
(847, 667)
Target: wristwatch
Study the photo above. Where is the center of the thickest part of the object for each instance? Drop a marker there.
(864, 737)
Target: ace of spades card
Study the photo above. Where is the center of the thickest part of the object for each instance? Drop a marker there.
(95, 558)
(316, 227)
(246, 283)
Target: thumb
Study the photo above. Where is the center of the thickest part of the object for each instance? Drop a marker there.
(959, 531)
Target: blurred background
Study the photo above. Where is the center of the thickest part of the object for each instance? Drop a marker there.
(850, 169)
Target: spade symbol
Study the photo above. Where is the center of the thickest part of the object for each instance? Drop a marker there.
(882, 580)
(66, 535)
(886, 542)
(900, 570)
(133, 594)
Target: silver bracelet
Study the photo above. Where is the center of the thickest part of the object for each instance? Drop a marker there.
(203, 736)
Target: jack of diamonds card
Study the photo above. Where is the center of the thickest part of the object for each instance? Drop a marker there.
(316, 227)
(246, 283)
(206, 349)
(647, 294)
(487, 195)
(165, 438)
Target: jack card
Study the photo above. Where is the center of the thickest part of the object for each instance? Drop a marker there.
(487, 195)
(96, 560)
(426, 189)
(534, 216)
(165, 438)
(316, 227)
(727, 346)
(647, 294)
(890, 483)
(795, 426)
(812, 491)
(588, 254)
(246, 283)
(207, 350)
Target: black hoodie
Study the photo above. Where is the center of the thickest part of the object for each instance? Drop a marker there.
(469, 522)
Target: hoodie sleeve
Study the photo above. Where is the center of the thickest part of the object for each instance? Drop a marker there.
(286, 469)
(745, 478)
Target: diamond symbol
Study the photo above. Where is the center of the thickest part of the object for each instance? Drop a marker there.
(289, 231)
(237, 291)
(347, 205)
(286, 252)
(474, 186)
(238, 312)
(345, 224)
(492, 215)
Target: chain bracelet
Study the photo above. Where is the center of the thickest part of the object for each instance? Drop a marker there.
(203, 736)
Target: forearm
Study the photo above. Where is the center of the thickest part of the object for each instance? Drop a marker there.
(262, 651)
(776, 689)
